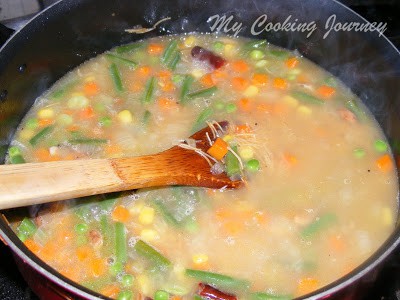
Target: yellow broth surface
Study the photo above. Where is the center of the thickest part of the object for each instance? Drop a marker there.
(321, 188)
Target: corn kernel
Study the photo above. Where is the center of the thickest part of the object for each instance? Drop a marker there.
(229, 50)
(125, 116)
(387, 216)
(227, 138)
(149, 235)
(291, 101)
(26, 134)
(197, 73)
(144, 283)
(189, 41)
(136, 208)
(90, 79)
(251, 91)
(304, 110)
(200, 258)
(45, 113)
(146, 215)
(246, 152)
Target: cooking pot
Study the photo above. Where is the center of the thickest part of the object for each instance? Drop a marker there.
(72, 31)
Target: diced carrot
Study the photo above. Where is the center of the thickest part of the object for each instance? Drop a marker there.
(164, 74)
(280, 108)
(32, 245)
(326, 91)
(303, 79)
(43, 154)
(113, 149)
(48, 251)
(207, 80)
(111, 291)
(280, 83)
(176, 298)
(71, 273)
(97, 266)
(86, 113)
(290, 159)
(336, 243)
(219, 149)
(144, 71)
(219, 74)
(260, 217)
(135, 86)
(167, 86)
(243, 128)
(233, 227)
(292, 62)
(73, 127)
(91, 88)
(239, 83)
(347, 115)
(265, 108)
(245, 105)
(120, 214)
(260, 79)
(384, 163)
(155, 49)
(307, 285)
(167, 103)
(240, 66)
(84, 252)
(45, 122)
(223, 213)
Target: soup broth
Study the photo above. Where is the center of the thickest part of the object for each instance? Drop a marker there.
(321, 188)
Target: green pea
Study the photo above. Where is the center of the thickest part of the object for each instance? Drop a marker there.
(32, 123)
(161, 295)
(127, 280)
(253, 165)
(257, 54)
(14, 151)
(231, 107)
(65, 119)
(359, 153)
(105, 121)
(125, 295)
(81, 228)
(219, 105)
(177, 78)
(218, 46)
(380, 146)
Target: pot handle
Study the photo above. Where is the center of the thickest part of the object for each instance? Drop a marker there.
(7, 28)
(5, 34)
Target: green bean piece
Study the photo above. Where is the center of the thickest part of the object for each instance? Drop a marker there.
(203, 93)
(109, 201)
(149, 90)
(116, 78)
(63, 90)
(152, 255)
(127, 48)
(307, 98)
(187, 83)
(331, 81)
(87, 141)
(257, 54)
(323, 222)
(127, 62)
(116, 268)
(169, 51)
(202, 118)
(267, 296)
(121, 253)
(232, 163)
(281, 54)
(15, 155)
(165, 213)
(218, 280)
(161, 295)
(174, 61)
(351, 105)
(146, 118)
(255, 44)
(26, 229)
(41, 135)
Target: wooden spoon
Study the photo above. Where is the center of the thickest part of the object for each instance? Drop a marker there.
(34, 183)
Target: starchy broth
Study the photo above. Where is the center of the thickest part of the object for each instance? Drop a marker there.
(321, 186)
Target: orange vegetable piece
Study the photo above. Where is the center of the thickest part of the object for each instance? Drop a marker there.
(280, 83)
(32, 245)
(240, 66)
(239, 83)
(167, 103)
(73, 127)
(45, 122)
(384, 163)
(233, 227)
(326, 91)
(155, 49)
(307, 285)
(219, 149)
(265, 107)
(167, 86)
(91, 88)
(245, 105)
(336, 243)
(260, 79)
(207, 80)
(219, 74)
(135, 86)
(292, 62)
(97, 266)
(243, 128)
(144, 71)
(112, 149)
(176, 298)
(290, 159)
(120, 214)
(111, 291)
(164, 74)
(84, 252)
(43, 154)
(86, 113)
(260, 217)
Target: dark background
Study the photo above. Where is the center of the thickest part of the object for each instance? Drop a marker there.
(386, 283)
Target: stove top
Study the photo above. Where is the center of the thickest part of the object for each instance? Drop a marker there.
(386, 282)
